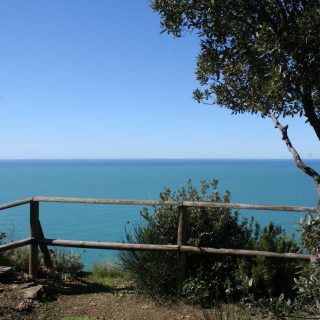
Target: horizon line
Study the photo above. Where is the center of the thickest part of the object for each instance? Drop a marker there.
(137, 159)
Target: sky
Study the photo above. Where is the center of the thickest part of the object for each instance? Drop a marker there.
(94, 79)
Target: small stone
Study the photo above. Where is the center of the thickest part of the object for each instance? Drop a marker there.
(25, 285)
(36, 304)
(33, 292)
(24, 305)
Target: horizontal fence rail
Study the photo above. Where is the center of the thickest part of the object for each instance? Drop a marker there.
(176, 203)
(159, 203)
(109, 201)
(177, 248)
(248, 206)
(38, 241)
(110, 245)
(16, 244)
(15, 203)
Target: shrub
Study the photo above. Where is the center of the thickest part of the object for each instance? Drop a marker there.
(19, 259)
(66, 264)
(307, 282)
(208, 277)
(263, 276)
(303, 301)
(3, 254)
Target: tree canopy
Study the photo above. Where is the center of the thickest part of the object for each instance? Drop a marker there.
(257, 56)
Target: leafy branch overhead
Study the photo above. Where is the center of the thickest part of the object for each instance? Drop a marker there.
(259, 56)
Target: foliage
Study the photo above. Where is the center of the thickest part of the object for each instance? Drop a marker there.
(306, 288)
(157, 273)
(307, 282)
(255, 56)
(154, 273)
(263, 276)
(230, 312)
(19, 259)
(208, 277)
(2, 237)
(310, 234)
(3, 254)
(274, 307)
(66, 264)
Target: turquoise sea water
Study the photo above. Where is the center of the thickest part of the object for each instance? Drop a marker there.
(250, 181)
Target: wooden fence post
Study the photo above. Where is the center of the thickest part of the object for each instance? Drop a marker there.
(34, 233)
(44, 249)
(181, 240)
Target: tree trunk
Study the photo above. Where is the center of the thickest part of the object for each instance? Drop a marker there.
(310, 113)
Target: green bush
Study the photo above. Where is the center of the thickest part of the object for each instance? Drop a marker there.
(303, 301)
(208, 277)
(307, 281)
(3, 254)
(19, 259)
(262, 276)
(66, 265)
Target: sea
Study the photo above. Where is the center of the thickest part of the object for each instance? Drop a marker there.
(272, 182)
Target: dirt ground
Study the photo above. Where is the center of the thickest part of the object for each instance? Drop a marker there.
(83, 300)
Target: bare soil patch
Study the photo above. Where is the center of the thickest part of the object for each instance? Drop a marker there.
(84, 300)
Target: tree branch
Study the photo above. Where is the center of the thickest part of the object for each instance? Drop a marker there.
(300, 164)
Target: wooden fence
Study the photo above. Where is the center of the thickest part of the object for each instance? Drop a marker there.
(38, 241)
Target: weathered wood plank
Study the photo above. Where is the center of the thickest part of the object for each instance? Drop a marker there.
(109, 245)
(164, 248)
(15, 203)
(15, 244)
(160, 203)
(248, 206)
(244, 253)
(5, 270)
(177, 203)
(108, 201)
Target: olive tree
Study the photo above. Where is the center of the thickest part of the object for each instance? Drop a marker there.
(257, 56)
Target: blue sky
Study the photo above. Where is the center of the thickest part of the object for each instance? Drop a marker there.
(95, 79)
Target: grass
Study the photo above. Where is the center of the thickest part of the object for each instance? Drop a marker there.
(78, 318)
(106, 274)
(228, 312)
